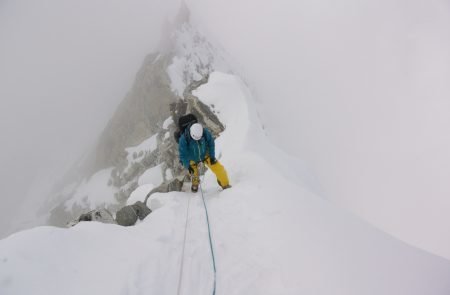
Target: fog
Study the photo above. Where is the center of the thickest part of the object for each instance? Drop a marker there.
(360, 90)
(64, 67)
(357, 89)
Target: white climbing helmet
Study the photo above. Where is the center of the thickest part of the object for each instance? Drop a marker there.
(196, 131)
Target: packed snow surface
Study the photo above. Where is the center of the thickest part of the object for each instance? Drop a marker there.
(270, 235)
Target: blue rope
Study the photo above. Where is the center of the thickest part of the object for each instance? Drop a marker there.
(210, 240)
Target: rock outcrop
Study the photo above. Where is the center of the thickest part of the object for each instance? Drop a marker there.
(139, 137)
(129, 215)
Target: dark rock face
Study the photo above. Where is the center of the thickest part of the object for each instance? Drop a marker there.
(150, 109)
(137, 117)
(128, 215)
(125, 176)
(100, 215)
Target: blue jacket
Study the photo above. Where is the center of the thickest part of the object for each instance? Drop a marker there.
(195, 150)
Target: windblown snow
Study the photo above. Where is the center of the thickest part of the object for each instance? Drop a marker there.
(270, 235)
(195, 58)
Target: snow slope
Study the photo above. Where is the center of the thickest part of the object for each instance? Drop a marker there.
(366, 85)
(270, 235)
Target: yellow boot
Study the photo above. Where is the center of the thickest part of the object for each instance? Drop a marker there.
(220, 172)
(194, 176)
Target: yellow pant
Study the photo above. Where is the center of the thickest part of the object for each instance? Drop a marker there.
(217, 169)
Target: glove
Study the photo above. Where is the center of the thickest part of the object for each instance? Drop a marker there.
(213, 161)
(191, 170)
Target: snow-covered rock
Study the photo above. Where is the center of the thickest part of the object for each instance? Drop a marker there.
(270, 236)
(137, 146)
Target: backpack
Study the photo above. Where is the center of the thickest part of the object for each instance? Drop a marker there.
(184, 122)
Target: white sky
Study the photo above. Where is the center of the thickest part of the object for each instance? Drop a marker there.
(358, 89)
(65, 65)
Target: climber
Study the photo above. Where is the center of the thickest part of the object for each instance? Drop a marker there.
(196, 145)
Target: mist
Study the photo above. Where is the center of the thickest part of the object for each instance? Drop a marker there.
(65, 66)
(360, 91)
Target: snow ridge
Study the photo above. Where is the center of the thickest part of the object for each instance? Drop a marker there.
(194, 58)
(270, 236)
